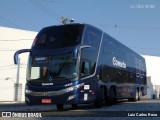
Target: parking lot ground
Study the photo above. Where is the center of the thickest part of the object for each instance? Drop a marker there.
(145, 109)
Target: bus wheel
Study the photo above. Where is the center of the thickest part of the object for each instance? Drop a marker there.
(135, 99)
(139, 95)
(28, 102)
(59, 106)
(100, 96)
(74, 105)
(111, 98)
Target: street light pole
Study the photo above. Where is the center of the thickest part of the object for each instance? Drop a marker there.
(17, 81)
(18, 69)
(16, 84)
(15, 88)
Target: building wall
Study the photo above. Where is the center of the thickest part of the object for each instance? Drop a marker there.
(10, 41)
(153, 76)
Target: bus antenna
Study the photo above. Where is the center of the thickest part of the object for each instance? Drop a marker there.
(65, 20)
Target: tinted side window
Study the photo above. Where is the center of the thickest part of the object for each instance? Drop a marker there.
(87, 68)
(88, 62)
(92, 37)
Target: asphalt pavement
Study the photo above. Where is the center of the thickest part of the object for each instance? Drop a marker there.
(145, 109)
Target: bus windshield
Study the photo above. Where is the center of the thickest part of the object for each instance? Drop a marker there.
(58, 37)
(56, 68)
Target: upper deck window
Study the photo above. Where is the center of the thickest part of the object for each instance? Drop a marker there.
(59, 37)
(92, 37)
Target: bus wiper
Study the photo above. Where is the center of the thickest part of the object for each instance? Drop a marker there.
(63, 78)
(59, 77)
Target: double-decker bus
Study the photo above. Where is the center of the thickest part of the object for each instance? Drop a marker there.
(79, 64)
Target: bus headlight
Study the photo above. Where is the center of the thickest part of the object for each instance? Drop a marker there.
(70, 89)
(74, 87)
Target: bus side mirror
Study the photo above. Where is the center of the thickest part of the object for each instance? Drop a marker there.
(19, 52)
(79, 48)
(75, 54)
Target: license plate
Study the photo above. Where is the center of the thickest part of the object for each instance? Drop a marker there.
(46, 101)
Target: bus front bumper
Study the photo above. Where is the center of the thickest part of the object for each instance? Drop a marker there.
(58, 99)
(69, 95)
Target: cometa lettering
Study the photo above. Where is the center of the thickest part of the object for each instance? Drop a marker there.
(119, 63)
(44, 84)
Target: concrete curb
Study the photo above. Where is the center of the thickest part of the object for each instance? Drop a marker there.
(11, 102)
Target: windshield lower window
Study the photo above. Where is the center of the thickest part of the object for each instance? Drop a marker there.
(53, 68)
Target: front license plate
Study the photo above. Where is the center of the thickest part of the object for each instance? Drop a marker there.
(46, 101)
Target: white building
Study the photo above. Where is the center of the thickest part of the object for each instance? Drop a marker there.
(10, 41)
(153, 76)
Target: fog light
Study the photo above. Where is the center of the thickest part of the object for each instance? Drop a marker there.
(71, 97)
(28, 91)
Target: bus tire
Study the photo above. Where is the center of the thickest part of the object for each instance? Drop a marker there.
(59, 106)
(28, 102)
(139, 95)
(74, 105)
(111, 98)
(135, 98)
(99, 99)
